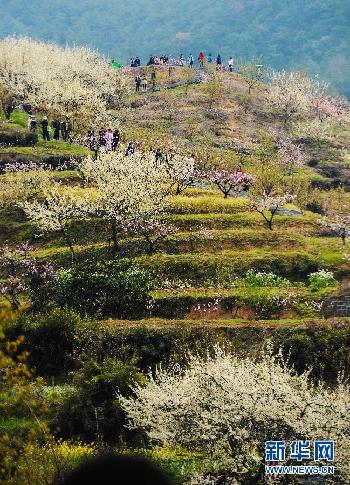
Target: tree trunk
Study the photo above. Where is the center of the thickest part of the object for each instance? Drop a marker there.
(114, 236)
(69, 244)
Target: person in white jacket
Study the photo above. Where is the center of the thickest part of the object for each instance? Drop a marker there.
(230, 64)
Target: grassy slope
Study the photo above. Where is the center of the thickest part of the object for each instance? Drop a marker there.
(238, 239)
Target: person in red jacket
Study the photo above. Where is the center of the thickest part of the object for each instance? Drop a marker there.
(201, 59)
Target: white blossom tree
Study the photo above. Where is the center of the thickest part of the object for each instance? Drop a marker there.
(290, 93)
(253, 73)
(227, 407)
(74, 82)
(338, 223)
(23, 181)
(55, 212)
(181, 171)
(316, 129)
(129, 189)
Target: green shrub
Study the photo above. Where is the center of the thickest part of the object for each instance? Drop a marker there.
(315, 206)
(222, 267)
(50, 339)
(91, 411)
(261, 279)
(105, 289)
(321, 279)
(268, 305)
(17, 136)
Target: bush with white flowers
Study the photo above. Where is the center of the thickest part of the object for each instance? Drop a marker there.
(321, 279)
(227, 407)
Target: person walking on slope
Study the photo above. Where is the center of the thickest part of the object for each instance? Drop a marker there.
(102, 142)
(130, 151)
(159, 156)
(109, 139)
(210, 59)
(137, 83)
(230, 64)
(65, 130)
(190, 61)
(144, 84)
(45, 129)
(116, 139)
(56, 125)
(218, 63)
(32, 123)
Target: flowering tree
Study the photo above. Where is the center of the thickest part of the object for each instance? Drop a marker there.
(329, 106)
(55, 212)
(7, 101)
(228, 407)
(268, 205)
(129, 189)
(290, 93)
(316, 129)
(289, 155)
(229, 181)
(213, 90)
(153, 230)
(253, 73)
(181, 171)
(76, 82)
(338, 223)
(23, 181)
(23, 273)
(337, 214)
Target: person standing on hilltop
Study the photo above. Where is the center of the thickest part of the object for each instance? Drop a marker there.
(210, 59)
(201, 59)
(154, 79)
(218, 63)
(45, 129)
(230, 64)
(190, 61)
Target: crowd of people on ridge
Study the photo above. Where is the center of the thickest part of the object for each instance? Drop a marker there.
(202, 59)
(57, 130)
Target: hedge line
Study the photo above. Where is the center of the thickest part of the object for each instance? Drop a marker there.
(200, 267)
(17, 136)
(61, 341)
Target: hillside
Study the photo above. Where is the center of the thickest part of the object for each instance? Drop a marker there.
(115, 261)
(307, 35)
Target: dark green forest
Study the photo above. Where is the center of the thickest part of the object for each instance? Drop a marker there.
(311, 35)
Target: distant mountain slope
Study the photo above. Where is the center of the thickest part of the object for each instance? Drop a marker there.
(305, 34)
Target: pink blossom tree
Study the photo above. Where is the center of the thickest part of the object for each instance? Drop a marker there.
(268, 205)
(228, 181)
